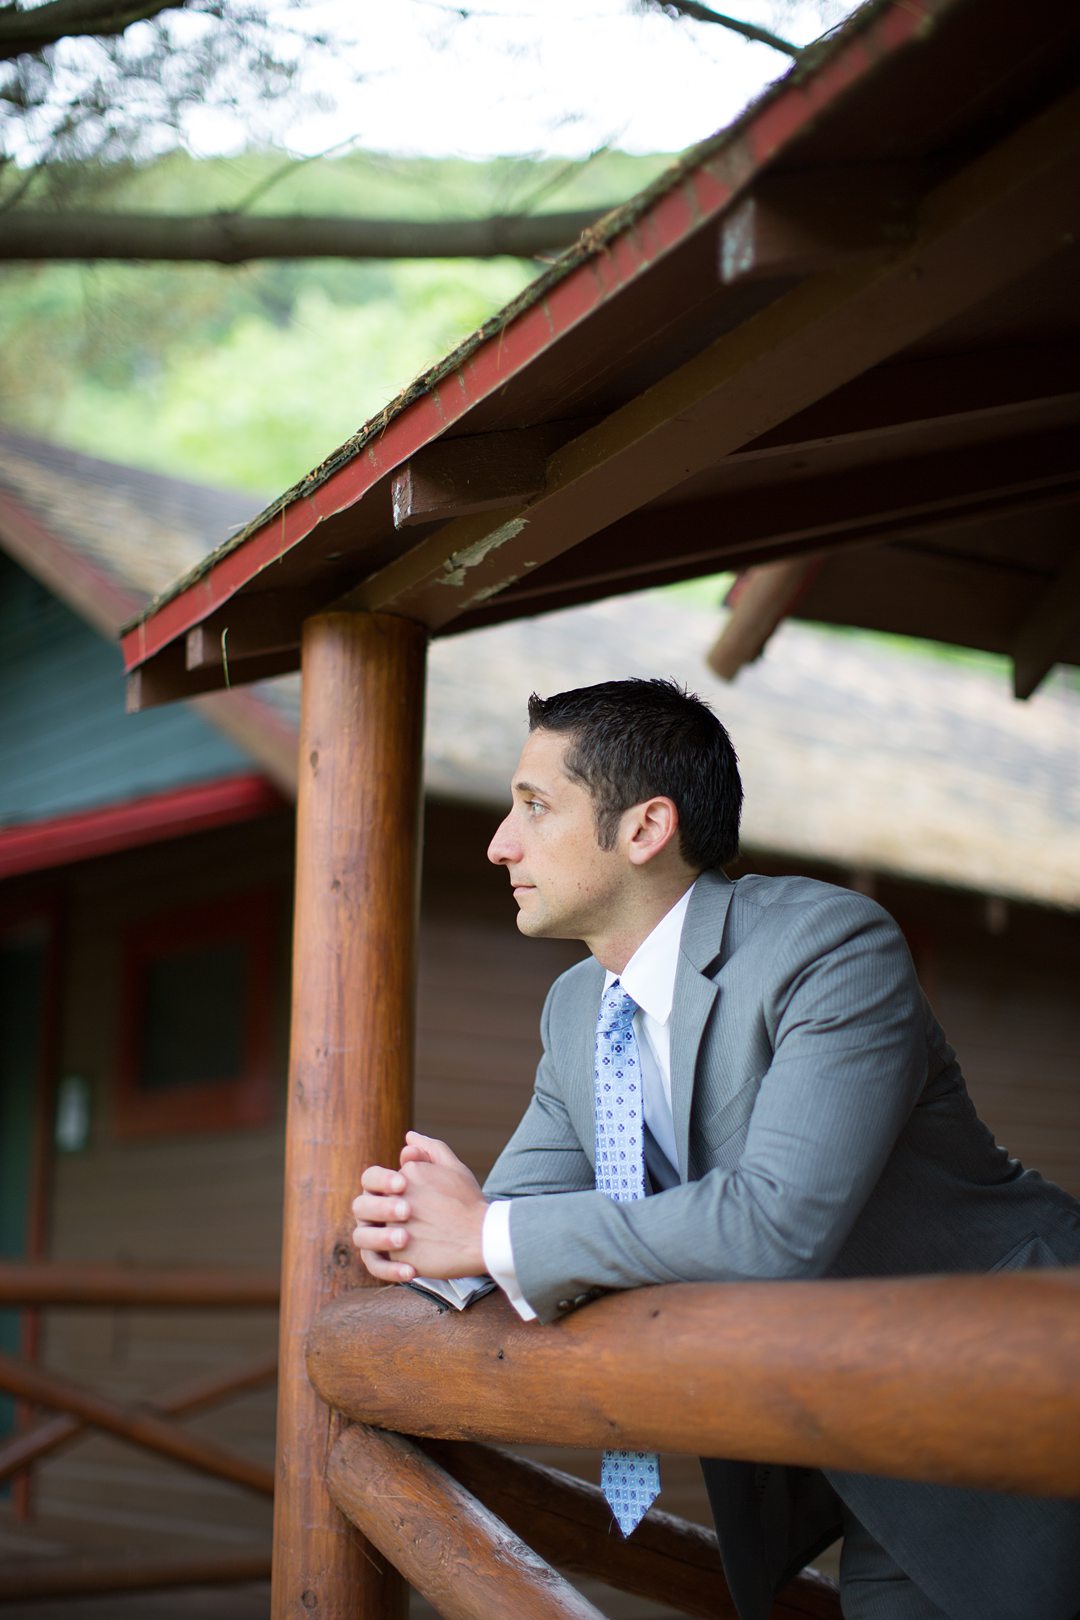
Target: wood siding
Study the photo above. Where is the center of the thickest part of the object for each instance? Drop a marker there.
(65, 742)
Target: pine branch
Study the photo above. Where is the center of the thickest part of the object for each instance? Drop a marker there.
(229, 238)
(699, 13)
(22, 32)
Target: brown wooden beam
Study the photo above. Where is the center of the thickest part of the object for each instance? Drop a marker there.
(925, 586)
(922, 498)
(253, 626)
(451, 1548)
(351, 1050)
(1000, 381)
(1013, 209)
(568, 1522)
(759, 600)
(808, 221)
(881, 1376)
(22, 1450)
(60, 1282)
(168, 679)
(55, 1578)
(1049, 625)
(453, 477)
(140, 1427)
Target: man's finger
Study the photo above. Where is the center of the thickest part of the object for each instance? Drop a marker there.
(419, 1148)
(378, 1179)
(380, 1237)
(373, 1207)
(387, 1270)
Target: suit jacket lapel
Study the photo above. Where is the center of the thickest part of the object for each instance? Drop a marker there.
(695, 997)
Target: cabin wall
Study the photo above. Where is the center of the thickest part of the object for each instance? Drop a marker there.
(65, 742)
(1007, 1001)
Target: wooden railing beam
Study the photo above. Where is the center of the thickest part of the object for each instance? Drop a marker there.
(21, 1450)
(350, 1065)
(965, 1380)
(458, 1555)
(56, 1578)
(568, 1522)
(139, 1426)
(60, 1282)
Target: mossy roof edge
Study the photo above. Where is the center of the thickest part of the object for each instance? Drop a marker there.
(591, 242)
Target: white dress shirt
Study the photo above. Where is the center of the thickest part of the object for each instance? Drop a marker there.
(649, 977)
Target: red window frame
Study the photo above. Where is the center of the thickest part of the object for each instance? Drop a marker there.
(217, 1103)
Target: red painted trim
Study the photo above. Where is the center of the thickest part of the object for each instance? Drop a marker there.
(691, 205)
(116, 827)
(220, 1102)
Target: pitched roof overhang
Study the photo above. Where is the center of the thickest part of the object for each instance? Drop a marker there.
(844, 328)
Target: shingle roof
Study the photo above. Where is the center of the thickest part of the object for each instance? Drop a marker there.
(854, 752)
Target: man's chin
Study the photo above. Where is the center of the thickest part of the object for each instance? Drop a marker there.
(530, 918)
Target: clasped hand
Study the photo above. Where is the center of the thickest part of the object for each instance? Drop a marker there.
(424, 1219)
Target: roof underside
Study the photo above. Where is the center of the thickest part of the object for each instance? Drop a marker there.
(848, 329)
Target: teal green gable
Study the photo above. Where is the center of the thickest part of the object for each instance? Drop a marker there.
(66, 744)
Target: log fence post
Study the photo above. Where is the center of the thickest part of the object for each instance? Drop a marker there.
(351, 1050)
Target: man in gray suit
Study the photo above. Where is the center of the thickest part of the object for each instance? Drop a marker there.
(804, 1117)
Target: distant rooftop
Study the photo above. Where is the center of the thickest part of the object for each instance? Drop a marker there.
(854, 753)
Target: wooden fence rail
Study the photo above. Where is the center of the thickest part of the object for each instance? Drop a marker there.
(57, 1282)
(962, 1380)
(568, 1522)
(137, 1424)
(21, 1450)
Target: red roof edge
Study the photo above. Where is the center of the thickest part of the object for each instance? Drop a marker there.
(116, 827)
(694, 200)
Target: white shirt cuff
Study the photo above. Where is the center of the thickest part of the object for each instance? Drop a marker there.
(499, 1256)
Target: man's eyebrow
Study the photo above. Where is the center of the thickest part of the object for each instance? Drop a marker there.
(529, 787)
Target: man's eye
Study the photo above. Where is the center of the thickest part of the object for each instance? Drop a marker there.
(533, 806)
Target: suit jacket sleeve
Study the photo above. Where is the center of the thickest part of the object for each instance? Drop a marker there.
(844, 1014)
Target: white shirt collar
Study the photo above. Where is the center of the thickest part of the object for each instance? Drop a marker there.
(649, 976)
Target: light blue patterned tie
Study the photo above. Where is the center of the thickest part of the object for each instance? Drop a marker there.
(630, 1480)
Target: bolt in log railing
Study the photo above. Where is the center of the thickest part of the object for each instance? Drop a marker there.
(963, 1380)
(152, 1426)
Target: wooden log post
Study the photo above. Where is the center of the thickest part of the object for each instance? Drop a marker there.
(350, 1067)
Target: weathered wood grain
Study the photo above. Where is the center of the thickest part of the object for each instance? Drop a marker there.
(568, 1522)
(967, 1380)
(455, 1552)
(351, 1057)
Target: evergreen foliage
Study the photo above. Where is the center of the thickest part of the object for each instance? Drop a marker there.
(248, 376)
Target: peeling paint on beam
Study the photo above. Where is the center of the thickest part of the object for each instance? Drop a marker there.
(458, 564)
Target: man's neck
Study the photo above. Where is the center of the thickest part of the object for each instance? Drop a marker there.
(614, 948)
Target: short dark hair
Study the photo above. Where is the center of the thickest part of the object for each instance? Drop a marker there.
(630, 740)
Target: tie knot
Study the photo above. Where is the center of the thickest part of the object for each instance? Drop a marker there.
(617, 1009)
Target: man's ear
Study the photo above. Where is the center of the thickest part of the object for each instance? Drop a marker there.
(648, 828)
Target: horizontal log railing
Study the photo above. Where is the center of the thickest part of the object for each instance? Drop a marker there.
(149, 1425)
(963, 1380)
(32, 1445)
(60, 1282)
(568, 1522)
(81, 1579)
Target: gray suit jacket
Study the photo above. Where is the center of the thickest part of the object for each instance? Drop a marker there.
(823, 1129)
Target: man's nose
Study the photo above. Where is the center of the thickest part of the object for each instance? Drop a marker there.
(504, 848)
